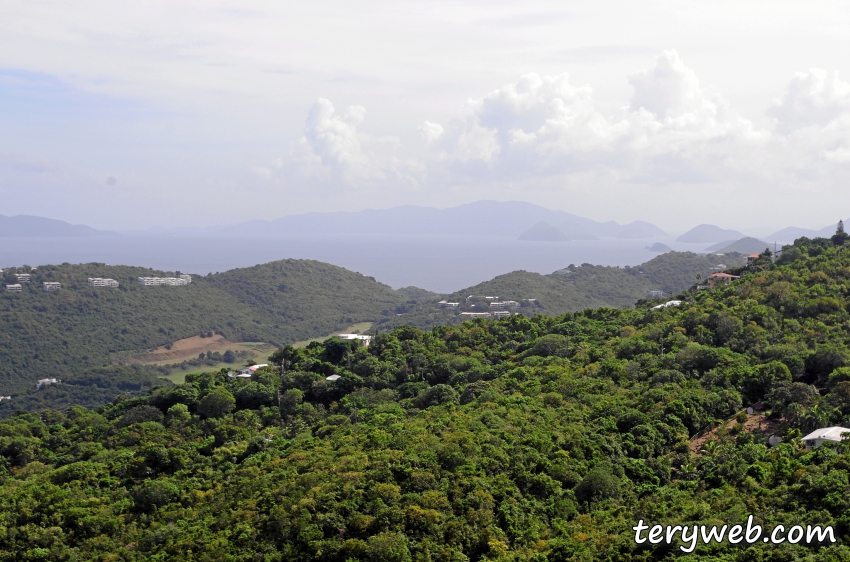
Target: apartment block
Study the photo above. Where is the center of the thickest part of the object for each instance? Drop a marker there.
(101, 282)
(170, 281)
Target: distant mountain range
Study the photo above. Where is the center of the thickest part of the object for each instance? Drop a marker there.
(481, 218)
(488, 218)
(791, 233)
(514, 219)
(28, 226)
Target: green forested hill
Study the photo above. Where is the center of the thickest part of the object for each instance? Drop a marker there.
(574, 288)
(542, 438)
(78, 327)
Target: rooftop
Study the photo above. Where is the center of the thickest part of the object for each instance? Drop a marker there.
(828, 433)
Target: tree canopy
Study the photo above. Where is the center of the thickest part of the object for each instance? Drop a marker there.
(527, 438)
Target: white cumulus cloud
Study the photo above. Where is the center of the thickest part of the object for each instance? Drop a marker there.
(547, 134)
(431, 132)
(811, 98)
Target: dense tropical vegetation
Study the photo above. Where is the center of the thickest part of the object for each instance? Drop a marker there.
(529, 438)
(81, 334)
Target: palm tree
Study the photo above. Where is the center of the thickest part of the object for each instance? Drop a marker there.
(709, 447)
(814, 419)
(794, 411)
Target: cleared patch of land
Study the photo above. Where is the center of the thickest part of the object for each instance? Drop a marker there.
(755, 422)
(190, 348)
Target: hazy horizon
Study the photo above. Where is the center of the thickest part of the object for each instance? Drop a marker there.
(747, 230)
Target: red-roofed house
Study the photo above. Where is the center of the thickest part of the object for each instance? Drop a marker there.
(720, 279)
(751, 258)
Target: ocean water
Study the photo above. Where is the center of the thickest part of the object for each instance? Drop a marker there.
(437, 263)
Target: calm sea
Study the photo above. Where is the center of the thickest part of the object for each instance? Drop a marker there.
(441, 264)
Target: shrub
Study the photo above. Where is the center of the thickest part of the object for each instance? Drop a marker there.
(217, 403)
(153, 494)
(436, 395)
(139, 414)
(599, 484)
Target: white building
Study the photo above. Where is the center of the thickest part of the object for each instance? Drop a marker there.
(50, 286)
(444, 304)
(364, 340)
(100, 282)
(655, 294)
(246, 372)
(500, 313)
(23, 277)
(818, 437)
(170, 281)
(46, 382)
(186, 278)
(503, 304)
(471, 315)
(16, 288)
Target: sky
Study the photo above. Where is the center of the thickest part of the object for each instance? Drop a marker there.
(127, 115)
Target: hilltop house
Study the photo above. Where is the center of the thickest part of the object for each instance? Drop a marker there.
(15, 288)
(716, 279)
(100, 282)
(50, 286)
(364, 340)
(820, 436)
(248, 371)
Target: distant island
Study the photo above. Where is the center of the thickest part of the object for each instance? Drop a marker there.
(28, 226)
(660, 248)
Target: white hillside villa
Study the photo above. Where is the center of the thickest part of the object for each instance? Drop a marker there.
(45, 382)
(364, 340)
(50, 286)
(15, 288)
(820, 436)
(23, 277)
